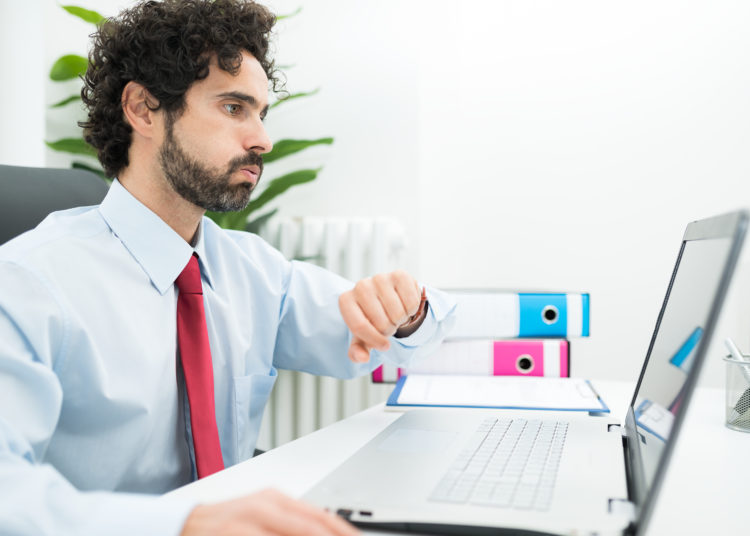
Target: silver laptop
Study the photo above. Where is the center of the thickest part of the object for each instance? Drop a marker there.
(469, 471)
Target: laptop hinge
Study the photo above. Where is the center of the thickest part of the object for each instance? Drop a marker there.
(625, 509)
(616, 428)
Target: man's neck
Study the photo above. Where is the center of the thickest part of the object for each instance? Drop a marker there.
(156, 194)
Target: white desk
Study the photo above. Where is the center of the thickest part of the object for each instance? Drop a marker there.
(707, 489)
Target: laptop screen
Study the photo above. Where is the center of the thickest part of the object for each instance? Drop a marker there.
(705, 262)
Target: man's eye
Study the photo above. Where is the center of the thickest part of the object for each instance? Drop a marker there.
(233, 109)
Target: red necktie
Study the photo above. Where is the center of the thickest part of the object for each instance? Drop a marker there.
(195, 354)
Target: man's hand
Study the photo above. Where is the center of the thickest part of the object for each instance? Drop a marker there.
(375, 308)
(269, 513)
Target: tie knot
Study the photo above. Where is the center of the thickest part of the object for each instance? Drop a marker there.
(189, 281)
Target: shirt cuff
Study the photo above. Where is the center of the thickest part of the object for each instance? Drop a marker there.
(127, 514)
(439, 306)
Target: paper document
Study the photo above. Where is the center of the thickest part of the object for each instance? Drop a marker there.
(560, 394)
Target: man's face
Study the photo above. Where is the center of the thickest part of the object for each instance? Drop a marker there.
(211, 154)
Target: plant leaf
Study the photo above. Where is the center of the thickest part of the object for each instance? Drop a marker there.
(279, 185)
(309, 258)
(92, 169)
(226, 220)
(68, 67)
(221, 218)
(294, 96)
(86, 14)
(283, 148)
(72, 145)
(288, 15)
(257, 224)
(63, 102)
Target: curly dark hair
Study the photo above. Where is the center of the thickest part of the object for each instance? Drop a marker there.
(165, 46)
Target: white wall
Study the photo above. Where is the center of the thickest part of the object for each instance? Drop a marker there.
(565, 145)
(524, 145)
(561, 145)
(67, 34)
(22, 87)
(364, 58)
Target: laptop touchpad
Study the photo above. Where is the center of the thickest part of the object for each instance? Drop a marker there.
(416, 441)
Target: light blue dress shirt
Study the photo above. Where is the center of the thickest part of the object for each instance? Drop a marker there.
(92, 413)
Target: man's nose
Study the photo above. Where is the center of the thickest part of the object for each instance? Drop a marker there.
(257, 140)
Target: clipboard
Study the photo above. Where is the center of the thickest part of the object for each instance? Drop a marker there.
(498, 392)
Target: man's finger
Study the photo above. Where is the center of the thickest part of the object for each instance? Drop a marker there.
(334, 523)
(375, 313)
(359, 324)
(389, 299)
(358, 351)
(264, 513)
(408, 290)
(366, 293)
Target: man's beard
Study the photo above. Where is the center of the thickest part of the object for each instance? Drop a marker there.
(207, 188)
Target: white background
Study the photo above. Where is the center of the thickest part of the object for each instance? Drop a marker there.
(523, 145)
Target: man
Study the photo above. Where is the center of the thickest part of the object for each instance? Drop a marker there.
(139, 342)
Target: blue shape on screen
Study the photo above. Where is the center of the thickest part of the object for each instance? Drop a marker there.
(680, 358)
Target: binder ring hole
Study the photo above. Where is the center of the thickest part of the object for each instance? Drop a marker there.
(524, 363)
(550, 314)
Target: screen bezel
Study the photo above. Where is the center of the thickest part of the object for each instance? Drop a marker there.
(733, 226)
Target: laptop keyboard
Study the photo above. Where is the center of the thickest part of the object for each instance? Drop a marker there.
(506, 463)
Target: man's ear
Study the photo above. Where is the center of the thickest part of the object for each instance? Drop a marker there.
(139, 108)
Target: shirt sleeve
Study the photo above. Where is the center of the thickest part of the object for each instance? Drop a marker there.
(34, 497)
(313, 337)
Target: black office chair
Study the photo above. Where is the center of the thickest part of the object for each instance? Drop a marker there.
(28, 195)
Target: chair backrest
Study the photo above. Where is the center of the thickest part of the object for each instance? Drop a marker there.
(28, 195)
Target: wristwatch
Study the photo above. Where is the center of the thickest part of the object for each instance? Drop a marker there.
(415, 320)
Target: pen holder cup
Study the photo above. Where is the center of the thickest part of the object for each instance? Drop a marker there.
(738, 394)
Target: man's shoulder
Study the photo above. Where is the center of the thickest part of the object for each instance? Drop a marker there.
(60, 232)
(242, 242)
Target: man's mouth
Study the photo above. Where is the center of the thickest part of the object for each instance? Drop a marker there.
(251, 173)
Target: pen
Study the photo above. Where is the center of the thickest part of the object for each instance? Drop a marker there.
(743, 404)
(739, 357)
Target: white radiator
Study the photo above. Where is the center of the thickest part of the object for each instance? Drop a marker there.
(355, 248)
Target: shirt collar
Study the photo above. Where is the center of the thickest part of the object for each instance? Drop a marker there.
(157, 248)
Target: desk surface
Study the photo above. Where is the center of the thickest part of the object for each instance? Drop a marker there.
(706, 491)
